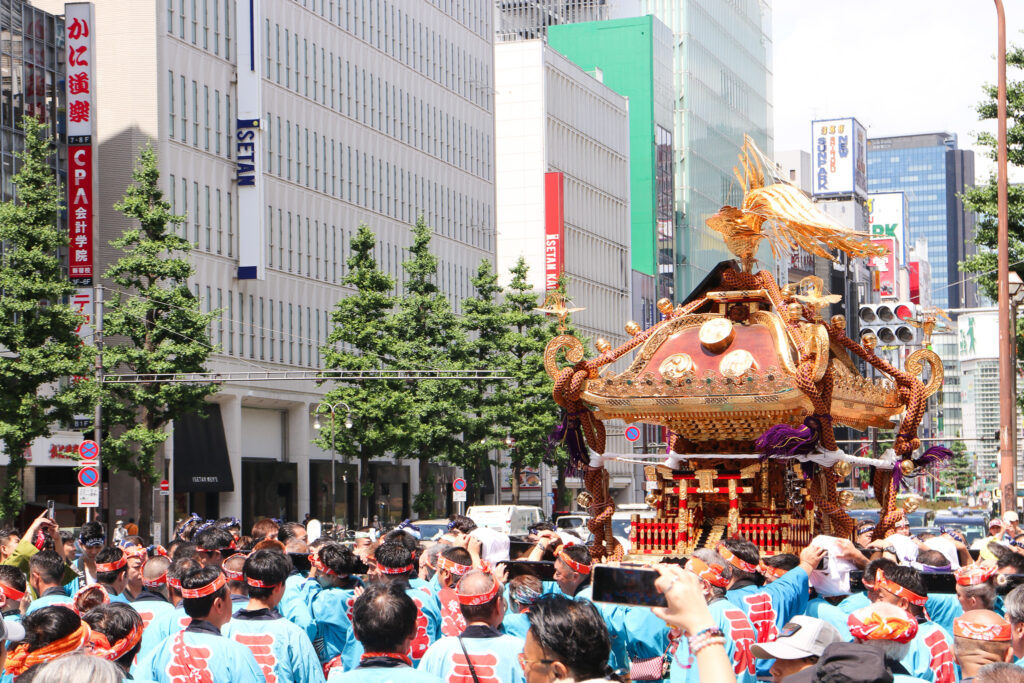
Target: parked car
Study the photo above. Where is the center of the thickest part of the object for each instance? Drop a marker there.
(973, 526)
(514, 520)
(431, 529)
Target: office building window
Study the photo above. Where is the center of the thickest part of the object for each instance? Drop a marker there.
(184, 111)
(195, 213)
(195, 114)
(206, 118)
(262, 332)
(206, 192)
(228, 4)
(270, 328)
(227, 122)
(170, 16)
(184, 208)
(231, 322)
(220, 319)
(216, 119)
(216, 27)
(270, 233)
(181, 18)
(220, 226)
(252, 327)
(206, 29)
(231, 227)
(173, 196)
(195, 23)
(170, 92)
(280, 321)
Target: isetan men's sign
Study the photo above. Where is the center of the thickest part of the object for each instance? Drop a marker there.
(80, 85)
(249, 169)
(554, 229)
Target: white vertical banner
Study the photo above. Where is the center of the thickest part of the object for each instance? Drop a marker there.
(248, 139)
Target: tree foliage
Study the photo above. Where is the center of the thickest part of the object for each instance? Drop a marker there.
(160, 327)
(362, 338)
(39, 346)
(429, 335)
(983, 199)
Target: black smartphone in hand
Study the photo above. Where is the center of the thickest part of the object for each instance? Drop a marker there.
(626, 586)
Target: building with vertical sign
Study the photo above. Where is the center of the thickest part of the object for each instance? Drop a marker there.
(633, 58)
(563, 184)
(280, 128)
(932, 172)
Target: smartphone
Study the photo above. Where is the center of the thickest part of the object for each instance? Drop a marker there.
(626, 586)
(545, 571)
(823, 565)
(50, 514)
(519, 549)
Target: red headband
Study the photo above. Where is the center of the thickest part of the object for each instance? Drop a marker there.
(174, 583)
(899, 591)
(203, 591)
(155, 581)
(991, 632)
(876, 627)
(10, 592)
(230, 573)
(394, 570)
(21, 659)
(256, 583)
(482, 598)
(318, 564)
(112, 566)
(452, 566)
(572, 564)
(85, 589)
(101, 647)
(770, 572)
(736, 562)
(973, 575)
(710, 573)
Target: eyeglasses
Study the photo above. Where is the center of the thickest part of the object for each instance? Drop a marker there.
(523, 662)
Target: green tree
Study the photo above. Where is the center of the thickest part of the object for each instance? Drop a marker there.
(362, 339)
(524, 405)
(161, 330)
(429, 336)
(983, 199)
(485, 323)
(38, 344)
(961, 472)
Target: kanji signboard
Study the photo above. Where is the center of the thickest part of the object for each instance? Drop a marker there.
(81, 114)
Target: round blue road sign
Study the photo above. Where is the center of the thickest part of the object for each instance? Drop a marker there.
(88, 476)
(459, 485)
(632, 433)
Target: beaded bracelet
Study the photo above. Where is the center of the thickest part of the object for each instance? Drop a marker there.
(695, 649)
(703, 638)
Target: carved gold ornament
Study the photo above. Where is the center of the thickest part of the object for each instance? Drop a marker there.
(716, 334)
(869, 341)
(907, 467)
(912, 503)
(839, 322)
(736, 363)
(677, 365)
(584, 499)
(846, 498)
(665, 306)
(602, 345)
(842, 469)
(632, 328)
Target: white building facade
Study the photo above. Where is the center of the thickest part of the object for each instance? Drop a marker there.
(557, 123)
(337, 113)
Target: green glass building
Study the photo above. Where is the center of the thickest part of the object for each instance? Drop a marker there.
(634, 58)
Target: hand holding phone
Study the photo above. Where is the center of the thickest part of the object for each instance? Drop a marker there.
(626, 586)
(50, 512)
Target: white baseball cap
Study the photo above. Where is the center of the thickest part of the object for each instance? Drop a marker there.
(802, 637)
(11, 631)
(1010, 516)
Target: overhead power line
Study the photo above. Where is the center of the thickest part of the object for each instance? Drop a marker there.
(299, 375)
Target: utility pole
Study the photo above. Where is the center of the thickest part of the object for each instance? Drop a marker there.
(97, 420)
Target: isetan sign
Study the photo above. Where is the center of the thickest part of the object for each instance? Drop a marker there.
(554, 229)
(81, 115)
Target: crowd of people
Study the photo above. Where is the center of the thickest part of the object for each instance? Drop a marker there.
(278, 605)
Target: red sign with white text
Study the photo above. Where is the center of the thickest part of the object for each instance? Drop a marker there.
(79, 59)
(885, 269)
(554, 229)
(80, 212)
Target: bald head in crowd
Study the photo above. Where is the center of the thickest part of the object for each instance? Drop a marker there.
(152, 570)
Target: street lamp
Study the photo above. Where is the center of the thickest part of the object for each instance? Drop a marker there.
(332, 407)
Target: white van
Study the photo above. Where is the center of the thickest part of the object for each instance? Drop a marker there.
(622, 520)
(514, 520)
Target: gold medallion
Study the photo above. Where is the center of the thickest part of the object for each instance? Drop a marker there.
(736, 363)
(716, 334)
(676, 365)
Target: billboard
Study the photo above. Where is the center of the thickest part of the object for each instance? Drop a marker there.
(79, 85)
(885, 270)
(839, 158)
(978, 334)
(887, 217)
(554, 229)
(248, 144)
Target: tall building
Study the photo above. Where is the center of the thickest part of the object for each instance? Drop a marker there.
(32, 75)
(529, 19)
(980, 389)
(563, 183)
(723, 89)
(932, 172)
(280, 127)
(632, 57)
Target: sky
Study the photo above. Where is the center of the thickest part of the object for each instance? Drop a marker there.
(898, 66)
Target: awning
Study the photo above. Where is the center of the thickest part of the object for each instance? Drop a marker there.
(201, 463)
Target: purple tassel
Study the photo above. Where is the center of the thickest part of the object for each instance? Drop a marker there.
(785, 441)
(936, 456)
(898, 483)
(570, 433)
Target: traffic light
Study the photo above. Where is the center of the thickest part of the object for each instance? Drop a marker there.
(888, 322)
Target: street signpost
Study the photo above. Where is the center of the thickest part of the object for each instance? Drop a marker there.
(632, 433)
(165, 488)
(88, 476)
(459, 493)
(88, 496)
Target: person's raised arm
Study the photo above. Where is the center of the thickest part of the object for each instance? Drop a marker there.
(688, 611)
